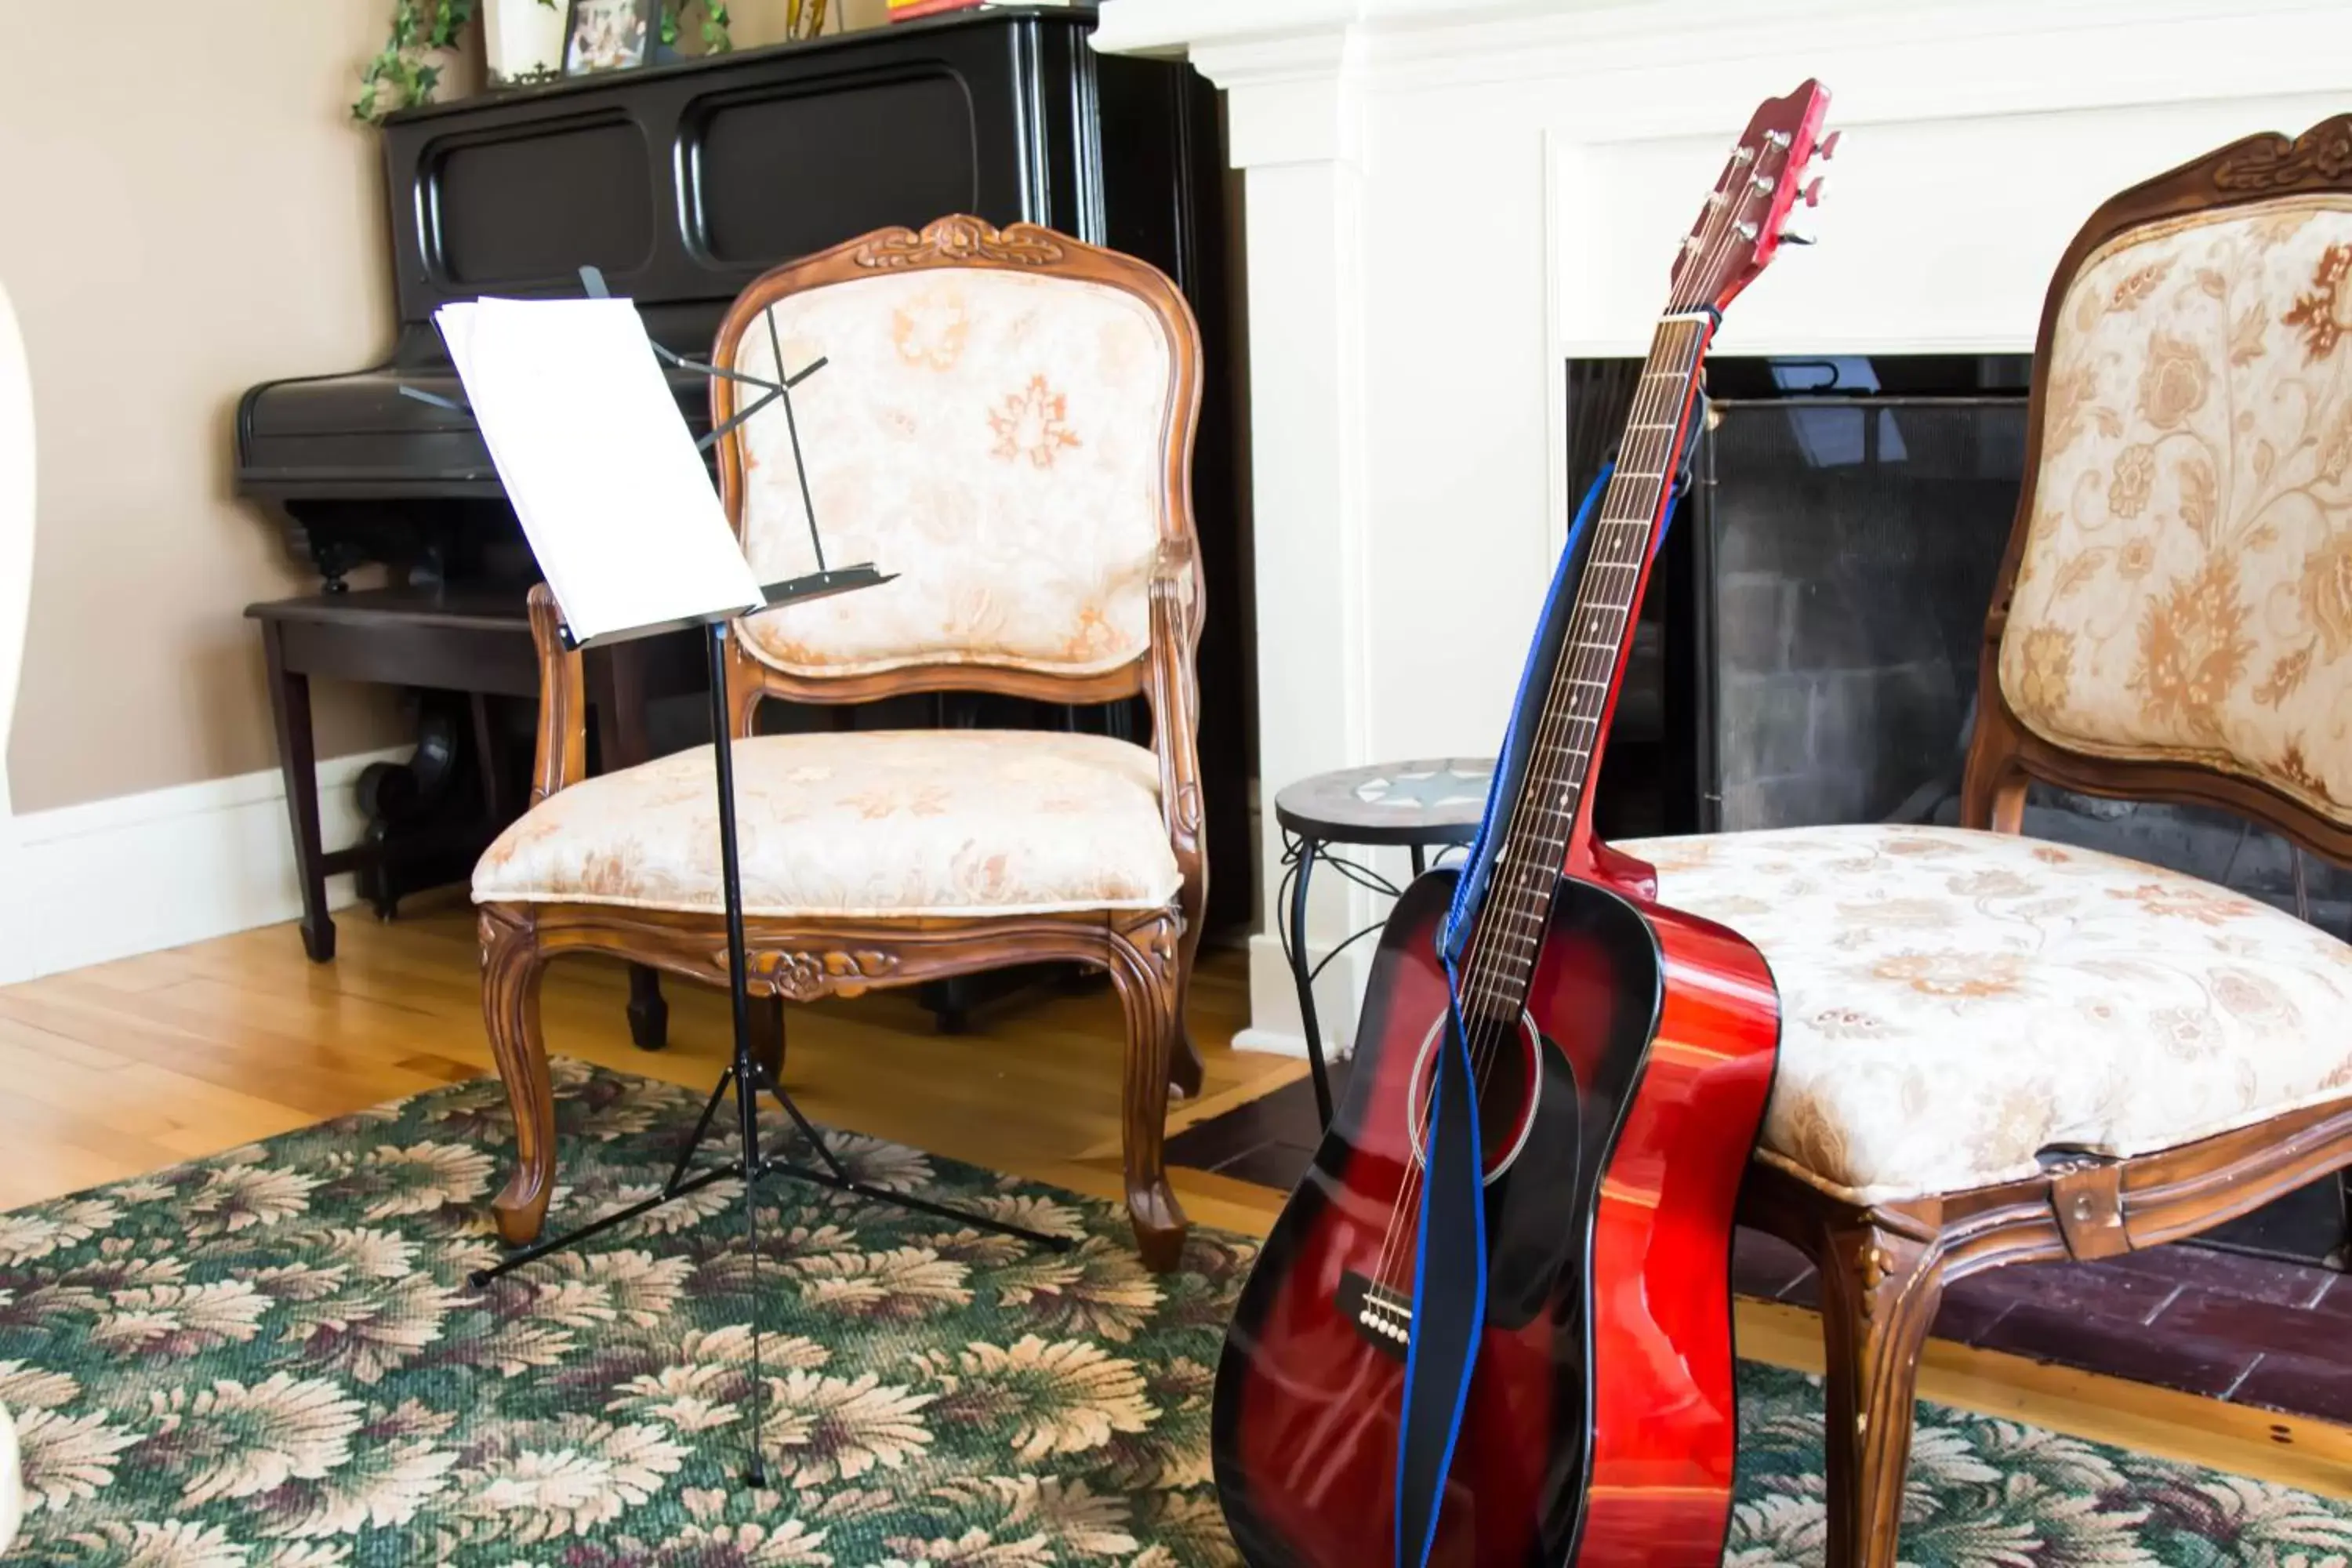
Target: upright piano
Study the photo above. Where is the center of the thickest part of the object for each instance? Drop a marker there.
(682, 183)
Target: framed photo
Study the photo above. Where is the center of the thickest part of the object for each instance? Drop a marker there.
(609, 35)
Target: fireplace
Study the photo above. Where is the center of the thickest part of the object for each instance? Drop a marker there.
(1809, 649)
(1810, 645)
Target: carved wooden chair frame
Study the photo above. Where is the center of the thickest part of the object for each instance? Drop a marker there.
(1884, 1267)
(1148, 952)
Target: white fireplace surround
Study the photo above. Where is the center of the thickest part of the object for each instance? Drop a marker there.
(1446, 199)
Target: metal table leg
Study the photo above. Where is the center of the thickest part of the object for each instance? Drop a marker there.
(1302, 970)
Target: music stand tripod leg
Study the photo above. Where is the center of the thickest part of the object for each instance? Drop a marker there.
(745, 1073)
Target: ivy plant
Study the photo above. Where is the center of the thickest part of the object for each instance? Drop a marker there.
(405, 70)
(714, 23)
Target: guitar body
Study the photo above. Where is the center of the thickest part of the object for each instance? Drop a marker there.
(1492, 1328)
(1600, 1425)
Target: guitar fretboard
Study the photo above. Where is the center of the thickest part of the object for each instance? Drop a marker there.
(1509, 927)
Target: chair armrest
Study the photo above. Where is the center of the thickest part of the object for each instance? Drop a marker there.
(1174, 692)
(561, 757)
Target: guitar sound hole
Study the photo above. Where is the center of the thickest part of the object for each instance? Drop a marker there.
(1505, 1088)
(1509, 1083)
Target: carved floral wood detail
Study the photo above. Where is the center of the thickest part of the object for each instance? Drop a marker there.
(804, 974)
(961, 239)
(2268, 164)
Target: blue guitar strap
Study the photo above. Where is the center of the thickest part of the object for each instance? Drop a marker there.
(1449, 1306)
(1543, 654)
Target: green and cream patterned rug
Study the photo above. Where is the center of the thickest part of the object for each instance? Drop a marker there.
(271, 1359)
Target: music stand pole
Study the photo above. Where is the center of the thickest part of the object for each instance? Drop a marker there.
(749, 1162)
(739, 996)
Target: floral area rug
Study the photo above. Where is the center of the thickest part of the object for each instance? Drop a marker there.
(272, 1359)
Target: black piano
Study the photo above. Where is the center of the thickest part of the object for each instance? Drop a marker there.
(681, 183)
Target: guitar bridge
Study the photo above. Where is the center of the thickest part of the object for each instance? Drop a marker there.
(1383, 1315)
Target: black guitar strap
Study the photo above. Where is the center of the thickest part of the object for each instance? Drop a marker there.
(1449, 1297)
(1449, 1304)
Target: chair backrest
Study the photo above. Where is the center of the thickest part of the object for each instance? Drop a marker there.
(1004, 420)
(2174, 615)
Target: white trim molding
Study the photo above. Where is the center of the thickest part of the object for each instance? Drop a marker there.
(1295, 128)
(114, 879)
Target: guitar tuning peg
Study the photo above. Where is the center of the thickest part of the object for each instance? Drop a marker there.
(1796, 236)
(1812, 191)
(1828, 147)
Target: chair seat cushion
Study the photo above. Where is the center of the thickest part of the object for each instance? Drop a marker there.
(886, 824)
(1954, 1003)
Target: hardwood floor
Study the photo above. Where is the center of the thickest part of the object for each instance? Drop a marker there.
(110, 1071)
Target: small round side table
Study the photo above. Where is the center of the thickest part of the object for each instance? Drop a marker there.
(1422, 805)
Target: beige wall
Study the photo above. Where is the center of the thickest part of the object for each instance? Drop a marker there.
(758, 22)
(189, 211)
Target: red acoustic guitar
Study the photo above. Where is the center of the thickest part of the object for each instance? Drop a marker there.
(1622, 1054)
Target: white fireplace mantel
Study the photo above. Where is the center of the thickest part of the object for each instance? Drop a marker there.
(1445, 199)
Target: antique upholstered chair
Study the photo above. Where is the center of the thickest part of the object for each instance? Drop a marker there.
(1996, 1049)
(1005, 421)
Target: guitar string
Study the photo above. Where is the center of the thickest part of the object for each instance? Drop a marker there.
(1483, 976)
(1493, 1022)
(1482, 970)
(1483, 979)
(1580, 665)
(1488, 978)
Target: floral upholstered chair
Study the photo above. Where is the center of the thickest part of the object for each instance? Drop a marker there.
(1005, 421)
(1996, 1049)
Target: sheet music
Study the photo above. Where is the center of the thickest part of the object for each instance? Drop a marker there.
(598, 461)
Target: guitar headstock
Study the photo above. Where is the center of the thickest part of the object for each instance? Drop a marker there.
(1746, 220)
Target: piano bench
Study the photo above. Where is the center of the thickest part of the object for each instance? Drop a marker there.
(475, 642)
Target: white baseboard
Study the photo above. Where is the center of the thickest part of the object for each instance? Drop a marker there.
(113, 878)
(1274, 1026)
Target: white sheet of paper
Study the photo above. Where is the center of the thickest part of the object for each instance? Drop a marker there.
(598, 462)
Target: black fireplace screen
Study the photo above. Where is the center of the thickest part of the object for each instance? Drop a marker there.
(1813, 629)
(1851, 553)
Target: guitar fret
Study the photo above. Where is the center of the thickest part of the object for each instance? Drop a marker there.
(1511, 922)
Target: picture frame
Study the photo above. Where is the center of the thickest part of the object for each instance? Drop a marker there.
(609, 35)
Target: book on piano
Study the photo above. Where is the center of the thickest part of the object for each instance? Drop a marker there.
(598, 462)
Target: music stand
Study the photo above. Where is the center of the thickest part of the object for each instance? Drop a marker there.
(749, 1162)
